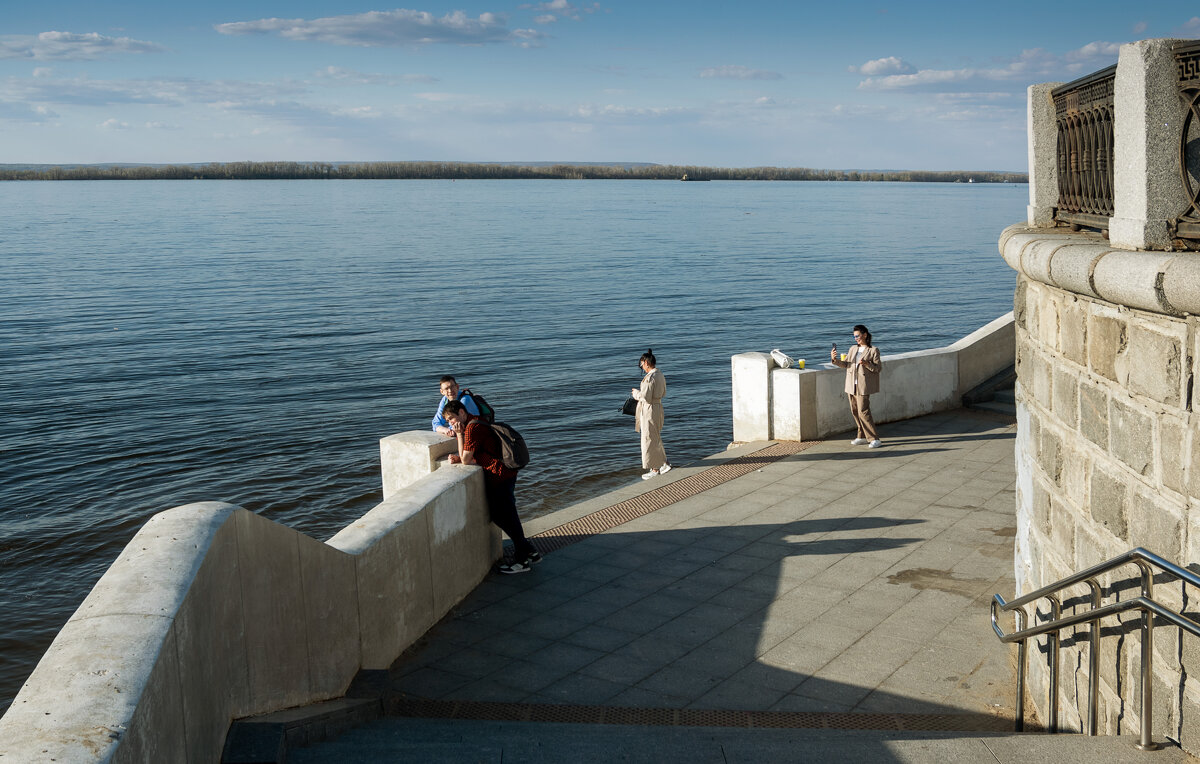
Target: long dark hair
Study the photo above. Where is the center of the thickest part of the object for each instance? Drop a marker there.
(863, 331)
(649, 358)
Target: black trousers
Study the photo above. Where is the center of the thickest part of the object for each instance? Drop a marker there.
(502, 509)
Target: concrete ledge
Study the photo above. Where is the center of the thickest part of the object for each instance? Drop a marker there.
(213, 613)
(809, 404)
(406, 457)
(1083, 263)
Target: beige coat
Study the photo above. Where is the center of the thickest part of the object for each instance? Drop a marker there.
(865, 374)
(649, 398)
(649, 420)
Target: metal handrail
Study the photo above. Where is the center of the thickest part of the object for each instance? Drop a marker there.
(1146, 562)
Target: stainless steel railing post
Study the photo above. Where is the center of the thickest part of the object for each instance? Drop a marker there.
(1022, 656)
(1053, 637)
(1094, 660)
(1145, 742)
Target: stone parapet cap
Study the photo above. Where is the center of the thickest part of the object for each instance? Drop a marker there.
(1087, 264)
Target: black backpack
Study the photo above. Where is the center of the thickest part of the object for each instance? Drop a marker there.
(486, 412)
(513, 451)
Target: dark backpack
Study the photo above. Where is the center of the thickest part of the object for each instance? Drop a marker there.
(513, 451)
(486, 412)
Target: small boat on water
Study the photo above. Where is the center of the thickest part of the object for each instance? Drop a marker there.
(685, 177)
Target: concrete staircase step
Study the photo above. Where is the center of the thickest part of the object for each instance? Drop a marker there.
(1005, 396)
(996, 406)
(442, 740)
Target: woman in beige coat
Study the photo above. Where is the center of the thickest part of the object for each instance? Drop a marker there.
(862, 367)
(650, 416)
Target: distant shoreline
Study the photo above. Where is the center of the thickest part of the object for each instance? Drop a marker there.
(482, 171)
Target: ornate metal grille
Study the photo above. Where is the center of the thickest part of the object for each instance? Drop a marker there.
(1084, 112)
(1187, 57)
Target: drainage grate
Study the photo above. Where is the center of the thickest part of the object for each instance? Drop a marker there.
(692, 717)
(630, 509)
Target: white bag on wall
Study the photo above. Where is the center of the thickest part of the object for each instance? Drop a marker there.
(783, 360)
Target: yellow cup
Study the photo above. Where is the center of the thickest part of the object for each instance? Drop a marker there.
(799, 363)
(843, 356)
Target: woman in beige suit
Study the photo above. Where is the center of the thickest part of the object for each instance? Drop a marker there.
(862, 366)
(650, 416)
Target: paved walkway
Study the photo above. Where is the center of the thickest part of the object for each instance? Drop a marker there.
(836, 594)
(837, 580)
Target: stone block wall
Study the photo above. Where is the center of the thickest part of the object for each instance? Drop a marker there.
(1108, 458)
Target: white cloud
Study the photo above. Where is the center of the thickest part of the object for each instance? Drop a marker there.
(1032, 65)
(1094, 50)
(82, 91)
(548, 18)
(1139, 27)
(889, 65)
(163, 126)
(437, 97)
(738, 72)
(22, 112)
(388, 29)
(363, 78)
(113, 124)
(69, 46)
(555, 8)
(1191, 27)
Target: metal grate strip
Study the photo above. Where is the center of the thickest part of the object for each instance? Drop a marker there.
(693, 717)
(630, 509)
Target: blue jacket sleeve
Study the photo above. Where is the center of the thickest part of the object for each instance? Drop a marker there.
(438, 419)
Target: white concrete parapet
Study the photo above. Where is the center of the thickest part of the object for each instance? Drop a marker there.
(751, 396)
(406, 457)
(793, 404)
(213, 613)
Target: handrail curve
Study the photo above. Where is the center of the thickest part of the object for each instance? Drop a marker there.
(1137, 603)
(1130, 557)
(1150, 609)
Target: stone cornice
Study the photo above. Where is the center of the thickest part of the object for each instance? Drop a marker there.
(1086, 264)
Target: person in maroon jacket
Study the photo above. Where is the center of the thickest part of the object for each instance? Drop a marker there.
(477, 444)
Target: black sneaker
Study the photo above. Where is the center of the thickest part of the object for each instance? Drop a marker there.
(534, 557)
(514, 567)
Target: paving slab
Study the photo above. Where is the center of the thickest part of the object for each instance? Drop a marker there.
(824, 574)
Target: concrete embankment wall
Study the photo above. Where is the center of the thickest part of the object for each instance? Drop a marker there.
(213, 613)
(1108, 455)
(770, 403)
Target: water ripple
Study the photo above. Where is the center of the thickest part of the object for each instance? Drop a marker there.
(163, 343)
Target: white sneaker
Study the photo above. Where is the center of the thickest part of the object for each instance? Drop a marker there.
(664, 469)
(650, 474)
(875, 443)
(858, 441)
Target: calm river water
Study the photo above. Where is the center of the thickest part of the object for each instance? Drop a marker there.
(168, 342)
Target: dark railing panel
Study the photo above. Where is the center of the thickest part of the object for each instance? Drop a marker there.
(1084, 113)
(1187, 58)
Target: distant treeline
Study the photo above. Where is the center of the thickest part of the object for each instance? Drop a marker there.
(472, 171)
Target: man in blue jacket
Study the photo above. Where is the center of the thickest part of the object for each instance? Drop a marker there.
(450, 393)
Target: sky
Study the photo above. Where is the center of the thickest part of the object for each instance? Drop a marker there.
(926, 85)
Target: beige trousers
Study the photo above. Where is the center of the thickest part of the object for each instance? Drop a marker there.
(860, 409)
